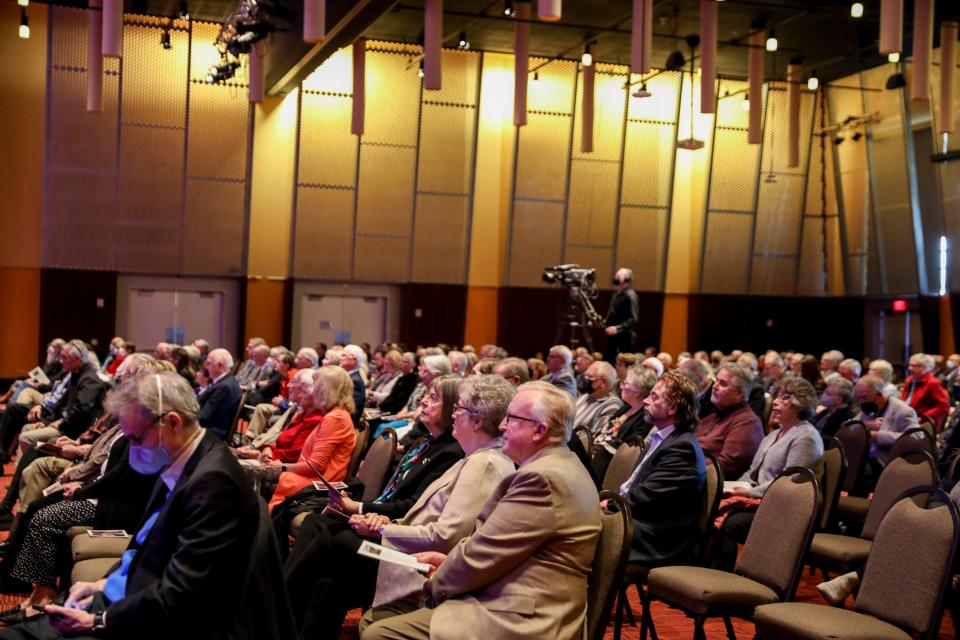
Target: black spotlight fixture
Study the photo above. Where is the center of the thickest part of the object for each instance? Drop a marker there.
(462, 42)
(838, 139)
(896, 81)
(675, 61)
(508, 8)
(165, 38)
(184, 12)
(856, 136)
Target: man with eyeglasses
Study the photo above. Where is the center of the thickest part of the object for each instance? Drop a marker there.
(523, 572)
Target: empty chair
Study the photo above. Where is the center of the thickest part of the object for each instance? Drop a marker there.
(359, 448)
(636, 574)
(835, 552)
(916, 439)
(609, 561)
(834, 471)
(769, 566)
(890, 575)
(621, 465)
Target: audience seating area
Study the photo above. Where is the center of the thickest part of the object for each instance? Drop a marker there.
(737, 455)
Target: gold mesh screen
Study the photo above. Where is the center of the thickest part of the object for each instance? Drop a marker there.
(595, 176)
(396, 206)
(732, 196)
(448, 122)
(146, 184)
(79, 213)
(647, 182)
(541, 173)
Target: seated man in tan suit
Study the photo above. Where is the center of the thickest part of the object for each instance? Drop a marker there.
(523, 572)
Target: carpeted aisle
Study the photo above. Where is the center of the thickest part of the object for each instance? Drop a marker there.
(671, 624)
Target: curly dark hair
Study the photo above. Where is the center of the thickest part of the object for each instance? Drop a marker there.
(684, 394)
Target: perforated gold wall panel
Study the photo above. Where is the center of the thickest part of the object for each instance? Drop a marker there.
(398, 202)
(79, 219)
(891, 189)
(731, 200)
(164, 168)
(647, 182)
(536, 240)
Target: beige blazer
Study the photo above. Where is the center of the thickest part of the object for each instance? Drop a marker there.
(523, 572)
(445, 513)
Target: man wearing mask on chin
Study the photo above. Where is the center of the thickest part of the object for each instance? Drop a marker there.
(195, 536)
(886, 417)
(621, 320)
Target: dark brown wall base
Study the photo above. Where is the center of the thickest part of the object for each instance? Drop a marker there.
(69, 306)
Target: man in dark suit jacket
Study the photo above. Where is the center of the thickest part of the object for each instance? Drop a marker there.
(621, 320)
(196, 534)
(665, 491)
(218, 402)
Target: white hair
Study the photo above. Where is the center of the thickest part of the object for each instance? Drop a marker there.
(653, 363)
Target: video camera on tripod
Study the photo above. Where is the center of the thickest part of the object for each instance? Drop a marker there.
(571, 275)
(581, 314)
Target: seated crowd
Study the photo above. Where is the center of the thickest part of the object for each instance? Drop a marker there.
(492, 485)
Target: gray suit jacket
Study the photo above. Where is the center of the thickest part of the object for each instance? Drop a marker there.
(445, 513)
(898, 416)
(523, 572)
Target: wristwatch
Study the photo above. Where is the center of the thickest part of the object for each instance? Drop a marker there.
(99, 621)
(283, 467)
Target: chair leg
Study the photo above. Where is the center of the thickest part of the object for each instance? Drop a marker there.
(731, 635)
(618, 617)
(825, 574)
(698, 632)
(629, 610)
(644, 611)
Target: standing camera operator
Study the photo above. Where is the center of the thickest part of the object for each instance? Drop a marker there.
(622, 317)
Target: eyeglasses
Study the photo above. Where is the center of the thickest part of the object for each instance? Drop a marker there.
(511, 416)
(459, 408)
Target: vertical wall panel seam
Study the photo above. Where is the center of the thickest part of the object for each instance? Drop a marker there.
(416, 184)
(618, 204)
(818, 107)
(186, 155)
(291, 262)
(571, 142)
(748, 289)
(468, 225)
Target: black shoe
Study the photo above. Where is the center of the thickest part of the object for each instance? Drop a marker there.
(18, 617)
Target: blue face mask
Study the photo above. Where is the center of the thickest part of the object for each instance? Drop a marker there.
(148, 460)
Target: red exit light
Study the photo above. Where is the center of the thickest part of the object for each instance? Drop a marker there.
(900, 305)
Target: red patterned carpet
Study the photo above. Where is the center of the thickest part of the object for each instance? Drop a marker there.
(671, 624)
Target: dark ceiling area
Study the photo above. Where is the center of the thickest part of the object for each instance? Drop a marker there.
(821, 34)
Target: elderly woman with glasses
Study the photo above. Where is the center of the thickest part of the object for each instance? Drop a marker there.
(794, 443)
(445, 513)
(323, 541)
(627, 422)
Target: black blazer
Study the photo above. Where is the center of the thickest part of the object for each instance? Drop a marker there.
(829, 423)
(218, 405)
(439, 457)
(359, 396)
(80, 405)
(201, 541)
(666, 500)
(400, 393)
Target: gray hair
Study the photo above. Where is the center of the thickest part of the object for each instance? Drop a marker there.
(332, 355)
(642, 378)
(844, 388)
(262, 349)
(835, 356)
(924, 359)
(881, 369)
(438, 365)
(742, 375)
(873, 382)
(310, 354)
(751, 360)
(553, 407)
(773, 358)
(157, 394)
(489, 396)
(222, 356)
(605, 370)
(458, 359)
(802, 395)
(357, 352)
(411, 358)
(564, 352)
(510, 367)
(695, 368)
(78, 348)
(854, 365)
